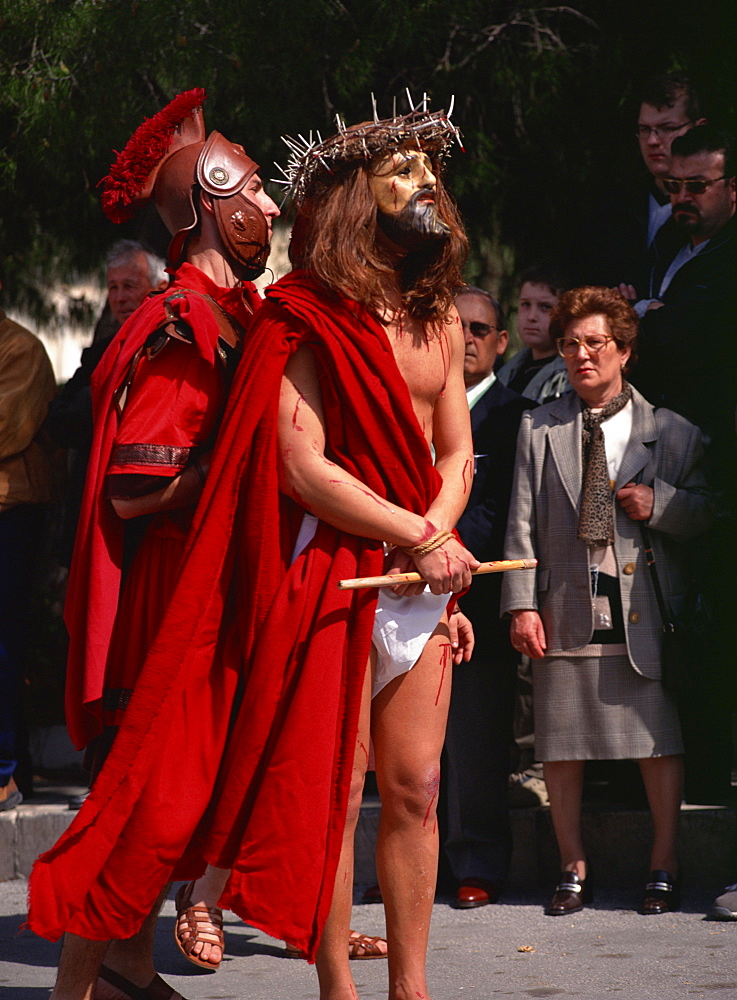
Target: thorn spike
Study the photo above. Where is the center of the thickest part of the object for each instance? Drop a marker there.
(374, 109)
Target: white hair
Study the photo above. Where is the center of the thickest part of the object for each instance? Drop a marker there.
(125, 250)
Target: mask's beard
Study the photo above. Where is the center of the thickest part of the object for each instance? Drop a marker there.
(416, 225)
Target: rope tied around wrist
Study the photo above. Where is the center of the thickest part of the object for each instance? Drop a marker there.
(431, 543)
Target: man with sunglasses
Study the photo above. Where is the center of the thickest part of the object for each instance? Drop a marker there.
(696, 280)
(618, 232)
(688, 360)
(475, 826)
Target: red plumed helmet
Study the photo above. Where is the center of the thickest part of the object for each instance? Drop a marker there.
(169, 158)
(132, 176)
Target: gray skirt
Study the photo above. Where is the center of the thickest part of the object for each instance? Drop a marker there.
(600, 708)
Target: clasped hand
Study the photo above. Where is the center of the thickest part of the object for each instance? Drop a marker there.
(446, 569)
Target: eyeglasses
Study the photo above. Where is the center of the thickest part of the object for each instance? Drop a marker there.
(673, 185)
(659, 131)
(479, 330)
(568, 346)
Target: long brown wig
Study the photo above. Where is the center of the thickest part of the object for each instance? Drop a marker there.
(336, 236)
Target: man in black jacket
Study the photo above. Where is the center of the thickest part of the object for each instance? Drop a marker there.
(687, 333)
(688, 362)
(477, 834)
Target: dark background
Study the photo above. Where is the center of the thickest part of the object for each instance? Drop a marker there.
(545, 95)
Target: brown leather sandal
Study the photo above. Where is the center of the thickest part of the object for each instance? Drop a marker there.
(199, 924)
(360, 946)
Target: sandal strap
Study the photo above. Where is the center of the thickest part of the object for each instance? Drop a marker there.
(157, 989)
(202, 923)
(202, 915)
(369, 946)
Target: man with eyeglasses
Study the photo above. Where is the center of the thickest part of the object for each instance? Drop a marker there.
(691, 290)
(475, 827)
(688, 361)
(615, 239)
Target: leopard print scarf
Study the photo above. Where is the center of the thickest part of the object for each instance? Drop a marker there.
(596, 520)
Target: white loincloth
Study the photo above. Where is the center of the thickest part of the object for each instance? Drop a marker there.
(402, 625)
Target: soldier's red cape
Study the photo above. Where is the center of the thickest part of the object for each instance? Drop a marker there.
(297, 645)
(95, 577)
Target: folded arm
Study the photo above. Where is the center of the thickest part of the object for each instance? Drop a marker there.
(338, 498)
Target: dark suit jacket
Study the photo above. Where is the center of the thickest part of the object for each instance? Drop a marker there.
(688, 348)
(611, 245)
(494, 424)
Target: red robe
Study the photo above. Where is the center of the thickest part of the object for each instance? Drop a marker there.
(173, 405)
(298, 644)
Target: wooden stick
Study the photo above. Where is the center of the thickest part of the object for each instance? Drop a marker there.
(500, 566)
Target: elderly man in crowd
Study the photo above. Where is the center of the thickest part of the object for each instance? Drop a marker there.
(132, 273)
(476, 830)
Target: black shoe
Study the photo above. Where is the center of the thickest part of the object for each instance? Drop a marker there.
(570, 895)
(662, 893)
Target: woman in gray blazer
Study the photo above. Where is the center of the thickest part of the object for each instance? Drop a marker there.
(589, 466)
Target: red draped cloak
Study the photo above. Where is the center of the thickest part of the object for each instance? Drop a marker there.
(173, 403)
(279, 752)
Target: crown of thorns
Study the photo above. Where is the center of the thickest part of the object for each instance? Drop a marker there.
(310, 158)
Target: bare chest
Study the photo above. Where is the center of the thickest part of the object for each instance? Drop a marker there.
(423, 363)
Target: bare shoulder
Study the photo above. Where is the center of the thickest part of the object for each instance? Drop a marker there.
(453, 329)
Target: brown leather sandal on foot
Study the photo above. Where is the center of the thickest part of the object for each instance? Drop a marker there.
(360, 946)
(201, 924)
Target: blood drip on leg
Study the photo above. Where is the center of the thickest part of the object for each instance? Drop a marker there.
(445, 655)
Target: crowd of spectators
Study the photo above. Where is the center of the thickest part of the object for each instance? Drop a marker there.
(661, 258)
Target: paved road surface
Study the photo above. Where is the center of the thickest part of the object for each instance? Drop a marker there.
(605, 952)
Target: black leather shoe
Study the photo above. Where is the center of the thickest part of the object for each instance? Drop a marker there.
(570, 895)
(662, 893)
(476, 892)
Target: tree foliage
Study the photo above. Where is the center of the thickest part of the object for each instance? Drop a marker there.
(545, 95)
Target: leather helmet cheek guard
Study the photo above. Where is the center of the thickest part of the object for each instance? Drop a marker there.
(223, 170)
(244, 231)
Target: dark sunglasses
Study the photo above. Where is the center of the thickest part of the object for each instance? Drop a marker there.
(673, 185)
(479, 330)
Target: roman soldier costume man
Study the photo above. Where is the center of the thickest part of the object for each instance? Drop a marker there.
(158, 395)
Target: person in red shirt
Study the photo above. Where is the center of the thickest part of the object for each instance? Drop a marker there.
(157, 394)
